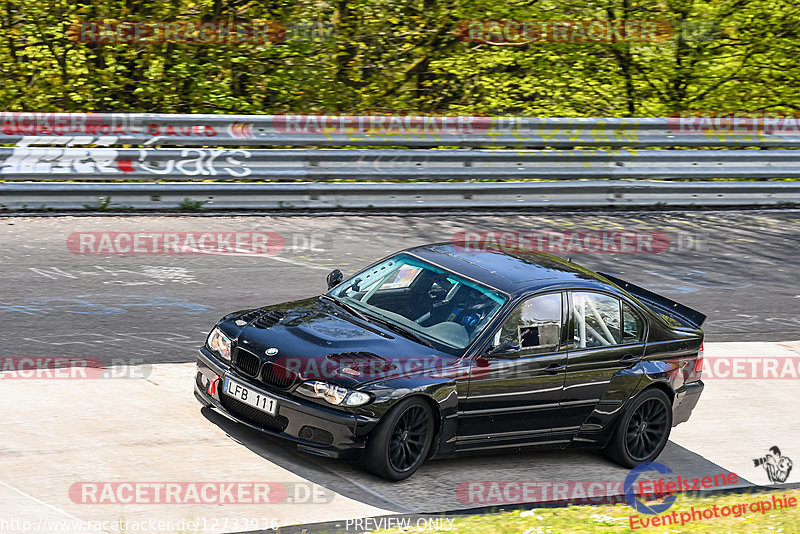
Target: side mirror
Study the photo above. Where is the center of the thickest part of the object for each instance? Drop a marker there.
(505, 349)
(334, 278)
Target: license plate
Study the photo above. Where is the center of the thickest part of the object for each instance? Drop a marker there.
(250, 397)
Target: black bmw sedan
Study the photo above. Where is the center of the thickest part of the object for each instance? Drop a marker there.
(440, 349)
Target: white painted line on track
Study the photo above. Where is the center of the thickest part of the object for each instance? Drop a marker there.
(39, 501)
(294, 262)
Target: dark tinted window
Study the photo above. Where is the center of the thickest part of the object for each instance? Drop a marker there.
(633, 325)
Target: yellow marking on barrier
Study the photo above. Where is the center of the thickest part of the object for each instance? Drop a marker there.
(574, 136)
(595, 132)
(689, 223)
(544, 136)
(634, 136)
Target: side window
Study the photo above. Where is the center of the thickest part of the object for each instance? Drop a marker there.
(596, 319)
(534, 326)
(633, 325)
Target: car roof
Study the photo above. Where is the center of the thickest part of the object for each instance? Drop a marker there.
(511, 271)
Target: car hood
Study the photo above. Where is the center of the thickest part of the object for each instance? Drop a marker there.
(317, 340)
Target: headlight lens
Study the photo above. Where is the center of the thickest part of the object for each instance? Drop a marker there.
(333, 394)
(219, 343)
(356, 398)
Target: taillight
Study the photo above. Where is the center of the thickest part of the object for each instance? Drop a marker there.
(698, 364)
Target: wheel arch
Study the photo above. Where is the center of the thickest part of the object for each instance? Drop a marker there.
(440, 394)
(658, 384)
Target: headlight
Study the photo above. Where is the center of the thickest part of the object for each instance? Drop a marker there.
(219, 343)
(333, 394)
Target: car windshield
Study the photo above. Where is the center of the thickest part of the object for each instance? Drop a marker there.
(425, 301)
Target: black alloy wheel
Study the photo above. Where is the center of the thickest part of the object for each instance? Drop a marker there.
(642, 431)
(400, 443)
(646, 429)
(409, 438)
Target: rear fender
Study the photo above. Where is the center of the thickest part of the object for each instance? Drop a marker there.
(624, 386)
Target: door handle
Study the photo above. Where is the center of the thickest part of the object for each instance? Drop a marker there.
(554, 368)
(628, 358)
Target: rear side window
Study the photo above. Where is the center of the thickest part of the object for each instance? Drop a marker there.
(633, 325)
(596, 319)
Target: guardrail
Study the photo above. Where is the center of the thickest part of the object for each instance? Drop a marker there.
(408, 130)
(333, 196)
(358, 164)
(107, 148)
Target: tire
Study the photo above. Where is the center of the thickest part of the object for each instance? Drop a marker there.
(642, 431)
(400, 443)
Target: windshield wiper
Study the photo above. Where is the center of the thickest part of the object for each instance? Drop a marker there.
(348, 308)
(402, 331)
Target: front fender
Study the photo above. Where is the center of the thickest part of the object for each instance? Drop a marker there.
(439, 391)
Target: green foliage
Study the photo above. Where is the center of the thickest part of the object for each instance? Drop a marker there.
(187, 204)
(616, 518)
(385, 55)
(103, 204)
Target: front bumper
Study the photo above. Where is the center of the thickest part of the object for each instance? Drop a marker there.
(325, 431)
(686, 398)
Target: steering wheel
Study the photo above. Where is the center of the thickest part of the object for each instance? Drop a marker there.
(437, 292)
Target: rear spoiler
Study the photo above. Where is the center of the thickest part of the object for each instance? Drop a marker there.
(683, 314)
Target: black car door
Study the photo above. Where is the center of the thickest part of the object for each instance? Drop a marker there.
(514, 392)
(607, 336)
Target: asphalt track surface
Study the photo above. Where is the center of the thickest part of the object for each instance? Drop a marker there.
(740, 268)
